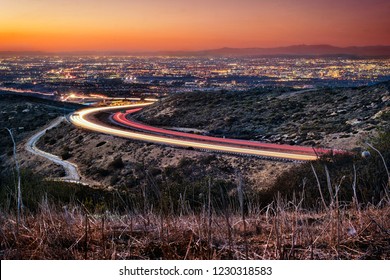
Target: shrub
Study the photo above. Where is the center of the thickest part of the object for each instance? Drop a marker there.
(66, 155)
(35, 189)
(371, 176)
(100, 144)
(117, 163)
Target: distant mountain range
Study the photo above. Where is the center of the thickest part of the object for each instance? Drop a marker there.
(295, 50)
(303, 50)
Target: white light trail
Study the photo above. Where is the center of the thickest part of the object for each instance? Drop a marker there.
(79, 119)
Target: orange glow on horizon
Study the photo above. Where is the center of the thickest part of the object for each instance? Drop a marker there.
(151, 25)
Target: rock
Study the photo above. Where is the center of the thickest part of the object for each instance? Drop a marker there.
(353, 122)
(345, 136)
(366, 154)
(342, 111)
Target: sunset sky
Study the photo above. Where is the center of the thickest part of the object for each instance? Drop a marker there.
(151, 25)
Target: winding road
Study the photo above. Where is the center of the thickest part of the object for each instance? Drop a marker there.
(84, 118)
(123, 118)
(72, 174)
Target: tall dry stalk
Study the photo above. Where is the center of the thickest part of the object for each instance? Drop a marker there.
(385, 165)
(240, 193)
(210, 219)
(278, 247)
(296, 218)
(86, 237)
(144, 208)
(337, 209)
(355, 199)
(19, 203)
(381, 156)
(329, 185)
(319, 187)
(103, 235)
(225, 208)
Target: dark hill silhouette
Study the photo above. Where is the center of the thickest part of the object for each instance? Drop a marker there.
(302, 50)
(295, 50)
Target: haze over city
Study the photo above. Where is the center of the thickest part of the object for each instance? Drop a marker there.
(152, 25)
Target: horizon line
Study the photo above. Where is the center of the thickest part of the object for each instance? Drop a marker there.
(191, 50)
(298, 50)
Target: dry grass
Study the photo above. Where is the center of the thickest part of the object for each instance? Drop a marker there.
(280, 231)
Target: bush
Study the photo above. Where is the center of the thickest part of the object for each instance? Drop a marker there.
(371, 176)
(102, 172)
(117, 163)
(100, 144)
(66, 155)
(35, 189)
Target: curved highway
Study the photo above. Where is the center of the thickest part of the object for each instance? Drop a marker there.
(84, 119)
(122, 118)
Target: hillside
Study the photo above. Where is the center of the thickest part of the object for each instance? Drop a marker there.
(24, 115)
(330, 117)
(339, 118)
(158, 202)
(115, 163)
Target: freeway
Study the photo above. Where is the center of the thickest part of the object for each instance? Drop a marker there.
(28, 91)
(84, 119)
(122, 118)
